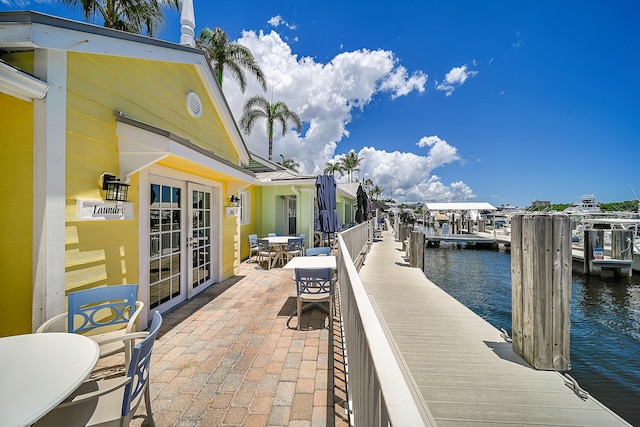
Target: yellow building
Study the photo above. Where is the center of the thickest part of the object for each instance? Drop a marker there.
(80, 104)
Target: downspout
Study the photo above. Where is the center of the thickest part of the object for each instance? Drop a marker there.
(298, 200)
(310, 228)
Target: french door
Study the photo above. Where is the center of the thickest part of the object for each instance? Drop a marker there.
(181, 241)
(199, 240)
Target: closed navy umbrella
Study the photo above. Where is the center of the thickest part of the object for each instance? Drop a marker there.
(327, 220)
(362, 212)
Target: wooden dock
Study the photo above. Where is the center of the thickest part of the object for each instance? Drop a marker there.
(460, 365)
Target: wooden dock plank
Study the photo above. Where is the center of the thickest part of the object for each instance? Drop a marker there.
(465, 371)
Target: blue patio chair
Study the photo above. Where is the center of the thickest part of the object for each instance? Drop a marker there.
(97, 312)
(253, 245)
(315, 286)
(114, 400)
(271, 234)
(304, 241)
(318, 251)
(265, 251)
(294, 247)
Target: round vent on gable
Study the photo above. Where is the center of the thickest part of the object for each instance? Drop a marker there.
(194, 104)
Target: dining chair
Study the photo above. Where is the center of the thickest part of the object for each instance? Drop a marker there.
(304, 241)
(271, 234)
(111, 401)
(315, 286)
(265, 251)
(294, 248)
(102, 314)
(318, 251)
(253, 245)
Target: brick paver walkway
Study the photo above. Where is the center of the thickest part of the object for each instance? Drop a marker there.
(228, 358)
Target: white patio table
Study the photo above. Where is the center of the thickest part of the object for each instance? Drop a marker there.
(279, 245)
(38, 371)
(320, 261)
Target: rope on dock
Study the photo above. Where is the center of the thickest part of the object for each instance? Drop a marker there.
(505, 335)
(627, 249)
(573, 385)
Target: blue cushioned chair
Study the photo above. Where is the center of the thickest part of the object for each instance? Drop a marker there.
(111, 401)
(314, 285)
(318, 251)
(100, 313)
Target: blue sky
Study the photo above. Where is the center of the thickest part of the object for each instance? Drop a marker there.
(502, 101)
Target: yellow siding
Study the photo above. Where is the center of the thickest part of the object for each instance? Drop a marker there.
(229, 248)
(16, 183)
(255, 194)
(129, 84)
(106, 252)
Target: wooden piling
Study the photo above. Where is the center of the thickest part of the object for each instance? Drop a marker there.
(622, 248)
(468, 226)
(416, 253)
(405, 232)
(593, 249)
(541, 289)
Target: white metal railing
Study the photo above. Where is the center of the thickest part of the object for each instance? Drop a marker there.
(379, 394)
(356, 238)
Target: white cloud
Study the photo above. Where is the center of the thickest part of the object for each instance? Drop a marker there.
(278, 20)
(325, 95)
(454, 78)
(400, 84)
(440, 152)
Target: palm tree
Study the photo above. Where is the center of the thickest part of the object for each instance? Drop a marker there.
(133, 16)
(331, 167)
(258, 107)
(351, 163)
(233, 57)
(289, 164)
(375, 191)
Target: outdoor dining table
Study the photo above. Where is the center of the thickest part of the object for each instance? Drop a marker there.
(279, 245)
(322, 261)
(38, 371)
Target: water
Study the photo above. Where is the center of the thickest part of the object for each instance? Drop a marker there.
(605, 319)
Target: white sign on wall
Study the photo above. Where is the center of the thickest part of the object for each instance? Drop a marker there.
(89, 210)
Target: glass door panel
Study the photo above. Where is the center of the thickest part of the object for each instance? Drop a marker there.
(200, 240)
(166, 228)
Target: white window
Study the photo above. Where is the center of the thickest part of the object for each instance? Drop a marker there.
(245, 217)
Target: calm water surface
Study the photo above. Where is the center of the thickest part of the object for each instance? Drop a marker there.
(605, 319)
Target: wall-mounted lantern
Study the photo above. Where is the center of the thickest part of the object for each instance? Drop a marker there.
(116, 189)
(235, 201)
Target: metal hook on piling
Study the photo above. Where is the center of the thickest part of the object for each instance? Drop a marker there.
(573, 385)
(505, 335)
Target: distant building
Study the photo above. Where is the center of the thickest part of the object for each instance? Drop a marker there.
(540, 203)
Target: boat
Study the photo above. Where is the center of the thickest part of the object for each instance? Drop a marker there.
(607, 223)
(587, 204)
